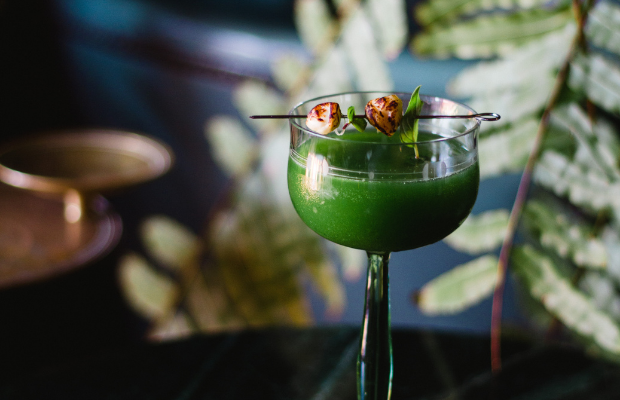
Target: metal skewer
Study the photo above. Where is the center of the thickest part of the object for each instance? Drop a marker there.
(479, 116)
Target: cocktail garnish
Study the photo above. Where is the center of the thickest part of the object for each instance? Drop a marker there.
(409, 127)
(358, 122)
(324, 118)
(385, 113)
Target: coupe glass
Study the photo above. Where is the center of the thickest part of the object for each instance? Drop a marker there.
(376, 193)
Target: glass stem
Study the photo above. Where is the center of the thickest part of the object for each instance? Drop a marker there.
(374, 363)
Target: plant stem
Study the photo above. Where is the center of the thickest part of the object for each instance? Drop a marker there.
(524, 185)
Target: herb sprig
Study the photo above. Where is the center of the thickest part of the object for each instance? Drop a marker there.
(358, 122)
(409, 123)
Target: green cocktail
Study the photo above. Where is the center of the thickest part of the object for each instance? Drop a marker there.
(373, 192)
(391, 211)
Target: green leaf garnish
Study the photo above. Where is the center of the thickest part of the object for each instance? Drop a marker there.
(358, 123)
(409, 123)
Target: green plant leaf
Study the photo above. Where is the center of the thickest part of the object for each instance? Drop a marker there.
(256, 98)
(459, 288)
(410, 122)
(589, 178)
(232, 146)
(602, 291)
(331, 75)
(289, 71)
(367, 61)
(489, 34)
(598, 145)
(518, 85)
(514, 143)
(543, 281)
(447, 11)
(170, 243)
(599, 77)
(314, 23)
(603, 27)
(569, 237)
(261, 284)
(172, 328)
(518, 104)
(578, 183)
(611, 239)
(262, 253)
(389, 19)
(480, 233)
(529, 64)
(148, 291)
(358, 123)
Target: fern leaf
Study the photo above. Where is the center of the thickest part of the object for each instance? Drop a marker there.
(371, 72)
(314, 23)
(598, 145)
(489, 34)
(528, 63)
(273, 167)
(459, 288)
(289, 71)
(389, 19)
(261, 253)
(446, 11)
(232, 146)
(539, 275)
(611, 239)
(580, 184)
(602, 27)
(480, 233)
(567, 236)
(331, 75)
(148, 291)
(260, 283)
(602, 291)
(173, 328)
(253, 97)
(170, 243)
(599, 78)
(507, 150)
(517, 104)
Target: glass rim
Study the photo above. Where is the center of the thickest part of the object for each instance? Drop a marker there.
(295, 122)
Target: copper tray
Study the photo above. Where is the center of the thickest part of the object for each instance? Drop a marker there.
(37, 243)
(61, 221)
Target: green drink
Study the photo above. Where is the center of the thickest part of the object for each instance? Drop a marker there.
(398, 209)
(374, 192)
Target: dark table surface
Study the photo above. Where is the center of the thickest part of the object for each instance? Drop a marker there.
(318, 363)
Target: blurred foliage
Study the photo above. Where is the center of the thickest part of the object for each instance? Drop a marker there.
(568, 258)
(257, 261)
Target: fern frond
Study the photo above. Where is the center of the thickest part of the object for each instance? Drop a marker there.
(599, 78)
(603, 27)
(507, 151)
(480, 233)
(489, 34)
(564, 234)
(447, 11)
(542, 57)
(459, 288)
(578, 183)
(543, 281)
